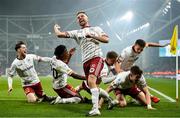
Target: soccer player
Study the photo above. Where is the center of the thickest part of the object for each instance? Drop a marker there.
(89, 39)
(130, 54)
(24, 66)
(107, 75)
(67, 94)
(131, 83)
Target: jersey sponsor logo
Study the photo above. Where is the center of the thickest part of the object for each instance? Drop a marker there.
(28, 68)
(20, 65)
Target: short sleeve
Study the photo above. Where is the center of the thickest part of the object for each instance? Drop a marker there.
(64, 68)
(117, 81)
(122, 56)
(100, 31)
(142, 82)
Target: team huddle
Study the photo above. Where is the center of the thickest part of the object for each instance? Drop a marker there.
(118, 71)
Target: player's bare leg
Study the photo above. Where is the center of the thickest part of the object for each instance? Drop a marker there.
(141, 98)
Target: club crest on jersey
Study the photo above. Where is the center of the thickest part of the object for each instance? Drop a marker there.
(91, 70)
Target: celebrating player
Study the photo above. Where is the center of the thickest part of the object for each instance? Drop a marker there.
(89, 39)
(130, 54)
(67, 94)
(131, 83)
(107, 75)
(24, 66)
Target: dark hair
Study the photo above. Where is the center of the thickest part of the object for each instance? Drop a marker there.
(111, 55)
(59, 50)
(81, 12)
(18, 45)
(135, 70)
(140, 42)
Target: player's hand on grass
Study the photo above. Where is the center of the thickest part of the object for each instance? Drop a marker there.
(149, 107)
(10, 90)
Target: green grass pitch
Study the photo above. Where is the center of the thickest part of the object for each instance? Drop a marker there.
(15, 105)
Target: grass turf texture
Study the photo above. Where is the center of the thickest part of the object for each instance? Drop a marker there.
(15, 105)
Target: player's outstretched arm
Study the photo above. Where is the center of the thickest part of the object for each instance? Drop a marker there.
(45, 59)
(76, 76)
(150, 44)
(59, 33)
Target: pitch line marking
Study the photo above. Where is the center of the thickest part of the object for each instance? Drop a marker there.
(162, 94)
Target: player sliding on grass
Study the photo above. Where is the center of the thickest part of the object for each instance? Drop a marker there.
(67, 94)
(131, 83)
(89, 39)
(24, 66)
(130, 54)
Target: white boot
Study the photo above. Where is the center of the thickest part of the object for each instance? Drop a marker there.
(94, 112)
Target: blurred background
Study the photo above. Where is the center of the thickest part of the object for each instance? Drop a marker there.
(124, 21)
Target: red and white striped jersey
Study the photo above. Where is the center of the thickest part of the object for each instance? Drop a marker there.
(90, 47)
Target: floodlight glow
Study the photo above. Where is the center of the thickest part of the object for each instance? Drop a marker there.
(166, 9)
(168, 6)
(118, 37)
(108, 23)
(147, 24)
(128, 16)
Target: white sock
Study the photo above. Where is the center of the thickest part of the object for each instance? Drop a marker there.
(95, 97)
(104, 94)
(115, 102)
(69, 100)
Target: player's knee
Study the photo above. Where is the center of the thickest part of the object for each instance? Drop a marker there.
(31, 98)
(92, 81)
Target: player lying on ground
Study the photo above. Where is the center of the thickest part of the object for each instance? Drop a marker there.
(131, 83)
(24, 66)
(129, 56)
(89, 39)
(107, 75)
(67, 94)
